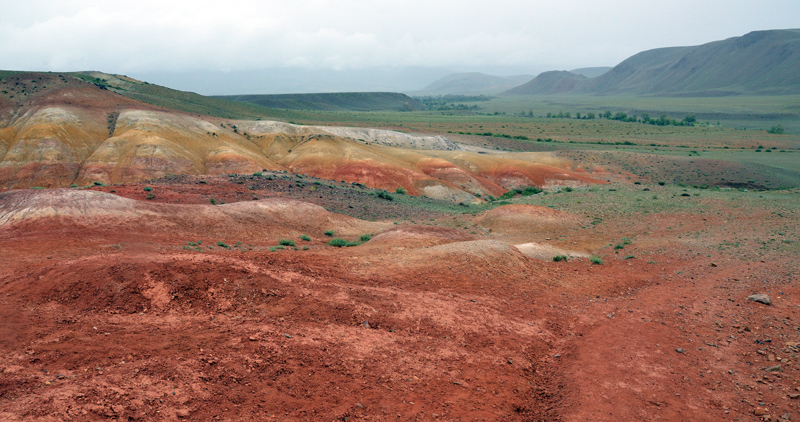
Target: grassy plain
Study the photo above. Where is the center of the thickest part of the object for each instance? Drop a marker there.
(733, 149)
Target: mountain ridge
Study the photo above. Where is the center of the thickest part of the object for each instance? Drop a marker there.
(757, 63)
(471, 83)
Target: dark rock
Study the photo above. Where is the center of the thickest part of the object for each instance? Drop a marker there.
(760, 298)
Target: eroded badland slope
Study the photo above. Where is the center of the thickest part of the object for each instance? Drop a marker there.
(59, 130)
(115, 306)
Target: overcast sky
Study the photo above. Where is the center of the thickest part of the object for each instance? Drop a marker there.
(176, 36)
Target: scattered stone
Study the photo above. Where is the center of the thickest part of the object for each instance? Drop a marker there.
(760, 298)
(360, 406)
(557, 356)
(776, 368)
(794, 396)
(253, 338)
(713, 264)
(60, 376)
(759, 411)
(679, 350)
(287, 336)
(786, 416)
(365, 324)
(510, 361)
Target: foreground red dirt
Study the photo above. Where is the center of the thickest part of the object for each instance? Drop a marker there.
(116, 315)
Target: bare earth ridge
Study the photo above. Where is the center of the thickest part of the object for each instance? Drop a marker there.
(172, 308)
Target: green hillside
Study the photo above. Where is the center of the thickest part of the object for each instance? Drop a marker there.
(591, 72)
(759, 63)
(547, 83)
(173, 99)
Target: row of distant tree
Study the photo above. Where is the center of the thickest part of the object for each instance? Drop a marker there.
(645, 118)
(451, 102)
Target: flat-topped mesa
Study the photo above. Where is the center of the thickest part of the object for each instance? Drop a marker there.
(364, 135)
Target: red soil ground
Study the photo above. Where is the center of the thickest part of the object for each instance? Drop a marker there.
(114, 315)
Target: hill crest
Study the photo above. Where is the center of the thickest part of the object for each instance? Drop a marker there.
(758, 63)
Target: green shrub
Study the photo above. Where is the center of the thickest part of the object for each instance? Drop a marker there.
(337, 242)
(223, 245)
(558, 258)
(305, 237)
(329, 233)
(400, 191)
(150, 195)
(365, 237)
(596, 260)
(778, 130)
(385, 195)
(213, 201)
(147, 189)
(528, 191)
(286, 242)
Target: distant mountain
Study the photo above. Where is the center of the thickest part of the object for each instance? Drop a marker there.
(760, 63)
(353, 101)
(591, 72)
(553, 82)
(472, 83)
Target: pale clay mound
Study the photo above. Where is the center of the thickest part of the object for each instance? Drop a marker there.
(521, 219)
(104, 209)
(375, 136)
(546, 252)
(415, 237)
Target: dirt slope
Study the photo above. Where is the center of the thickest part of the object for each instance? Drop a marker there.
(111, 309)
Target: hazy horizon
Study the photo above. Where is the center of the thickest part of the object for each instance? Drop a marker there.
(251, 46)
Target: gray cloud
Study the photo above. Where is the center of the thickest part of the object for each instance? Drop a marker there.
(147, 36)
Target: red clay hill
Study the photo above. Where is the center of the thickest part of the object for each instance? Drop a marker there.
(171, 308)
(60, 130)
